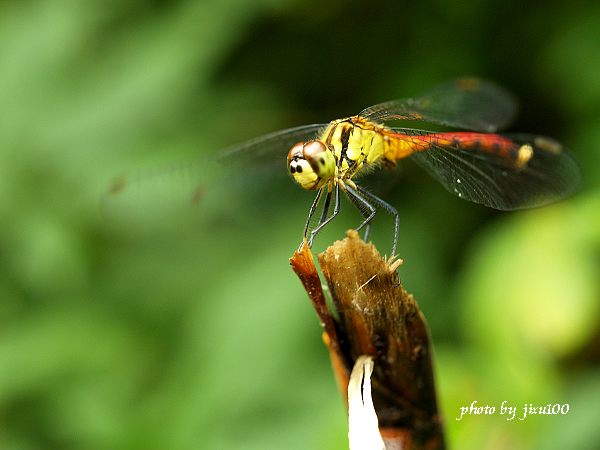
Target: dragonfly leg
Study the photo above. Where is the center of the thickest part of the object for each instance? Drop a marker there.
(325, 208)
(365, 212)
(367, 232)
(389, 208)
(324, 219)
(311, 211)
(366, 209)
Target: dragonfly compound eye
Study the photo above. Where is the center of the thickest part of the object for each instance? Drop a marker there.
(300, 169)
(310, 164)
(320, 159)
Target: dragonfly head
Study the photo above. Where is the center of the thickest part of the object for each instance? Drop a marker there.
(311, 164)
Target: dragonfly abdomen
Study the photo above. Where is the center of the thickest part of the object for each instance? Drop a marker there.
(403, 145)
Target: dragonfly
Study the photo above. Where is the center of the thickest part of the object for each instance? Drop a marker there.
(473, 161)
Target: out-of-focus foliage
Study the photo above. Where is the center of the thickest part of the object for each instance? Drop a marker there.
(186, 330)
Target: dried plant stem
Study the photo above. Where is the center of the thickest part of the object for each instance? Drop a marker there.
(375, 316)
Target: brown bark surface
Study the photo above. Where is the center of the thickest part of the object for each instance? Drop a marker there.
(373, 315)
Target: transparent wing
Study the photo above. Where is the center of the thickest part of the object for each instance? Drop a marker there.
(269, 148)
(466, 103)
(163, 190)
(484, 177)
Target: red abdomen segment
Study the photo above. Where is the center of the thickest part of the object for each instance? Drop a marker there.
(403, 144)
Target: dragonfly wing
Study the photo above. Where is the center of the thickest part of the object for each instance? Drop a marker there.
(491, 180)
(466, 103)
(180, 187)
(270, 148)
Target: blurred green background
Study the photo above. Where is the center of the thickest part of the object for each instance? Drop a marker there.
(187, 329)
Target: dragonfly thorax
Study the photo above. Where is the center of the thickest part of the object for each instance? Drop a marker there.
(311, 164)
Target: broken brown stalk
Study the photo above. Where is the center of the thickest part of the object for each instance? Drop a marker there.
(373, 315)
